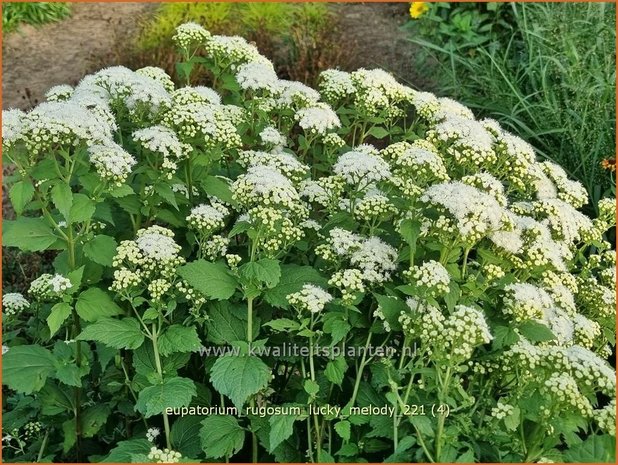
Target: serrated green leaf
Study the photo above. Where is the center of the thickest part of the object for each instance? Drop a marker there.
(26, 368)
(21, 194)
(214, 280)
(94, 303)
(265, 272)
(62, 196)
(28, 234)
(101, 249)
(281, 428)
(239, 377)
(185, 435)
(536, 332)
(335, 370)
(82, 209)
(59, 313)
(173, 393)
(221, 436)
(177, 338)
(119, 334)
(344, 430)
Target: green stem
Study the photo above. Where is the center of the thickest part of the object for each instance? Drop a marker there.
(465, 262)
(318, 433)
(442, 395)
(43, 446)
(155, 346)
(359, 374)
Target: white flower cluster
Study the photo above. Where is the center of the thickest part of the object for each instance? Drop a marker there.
(464, 330)
(421, 162)
(466, 140)
(318, 119)
(606, 418)
(430, 277)
(361, 169)
(190, 34)
(49, 287)
(349, 282)
(164, 456)
(310, 298)
(152, 434)
(502, 410)
(524, 301)
(256, 75)
(159, 75)
(286, 163)
(164, 142)
(232, 52)
(272, 137)
(564, 388)
(198, 94)
(375, 259)
(267, 186)
(476, 214)
(112, 162)
(13, 303)
(207, 218)
(59, 93)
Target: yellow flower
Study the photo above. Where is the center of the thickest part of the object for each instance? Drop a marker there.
(418, 9)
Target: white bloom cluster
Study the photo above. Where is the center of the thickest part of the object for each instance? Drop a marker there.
(232, 51)
(375, 259)
(272, 137)
(524, 301)
(564, 388)
(164, 456)
(434, 109)
(198, 94)
(13, 303)
(431, 277)
(606, 418)
(464, 330)
(286, 163)
(263, 185)
(159, 75)
(467, 141)
(379, 93)
(501, 410)
(349, 282)
(49, 287)
(325, 191)
(421, 163)
(361, 169)
(294, 94)
(152, 255)
(12, 127)
(152, 434)
(207, 218)
(112, 162)
(572, 192)
(488, 184)
(190, 34)
(476, 213)
(205, 123)
(310, 298)
(318, 119)
(374, 205)
(59, 93)
(163, 141)
(215, 247)
(256, 75)
(56, 124)
(336, 85)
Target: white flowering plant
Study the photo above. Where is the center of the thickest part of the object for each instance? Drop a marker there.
(454, 303)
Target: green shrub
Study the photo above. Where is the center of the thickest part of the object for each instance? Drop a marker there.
(35, 13)
(545, 71)
(356, 273)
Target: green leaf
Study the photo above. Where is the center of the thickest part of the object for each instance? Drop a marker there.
(101, 249)
(166, 192)
(594, 449)
(410, 230)
(293, 277)
(59, 313)
(536, 332)
(125, 449)
(119, 334)
(335, 370)
(392, 308)
(265, 271)
(281, 428)
(172, 392)
(63, 198)
(311, 387)
(218, 188)
(511, 421)
(82, 209)
(28, 234)
(227, 322)
(69, 374)
(26, 368)
(221, 436)
(21, 194)
(336, 324)
(239, 377)
(185, 436)
(344, 430)
(95, 303)
(121, 191)
(69, 435)
(211, 279)
(283, 324)
(378, 132)
(93, 418)
(177, 338)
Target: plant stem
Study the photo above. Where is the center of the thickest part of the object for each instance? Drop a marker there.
(250, 320)
(361, 367)
(155, 346)
(318, 433)
(465, 262)
(43, 446)
(441, 396)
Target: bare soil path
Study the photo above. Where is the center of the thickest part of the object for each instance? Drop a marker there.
(35, 59)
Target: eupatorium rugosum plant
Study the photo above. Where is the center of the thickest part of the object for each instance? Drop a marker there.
(451, 301)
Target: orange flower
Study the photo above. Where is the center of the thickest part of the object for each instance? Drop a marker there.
(418, 9)
(609, 164)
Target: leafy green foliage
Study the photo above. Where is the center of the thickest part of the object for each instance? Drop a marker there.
(35, 13)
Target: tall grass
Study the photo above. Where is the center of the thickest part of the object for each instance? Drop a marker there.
(35, 13)
(552, 80)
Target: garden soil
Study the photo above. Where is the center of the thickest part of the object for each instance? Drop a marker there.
(96, 35)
